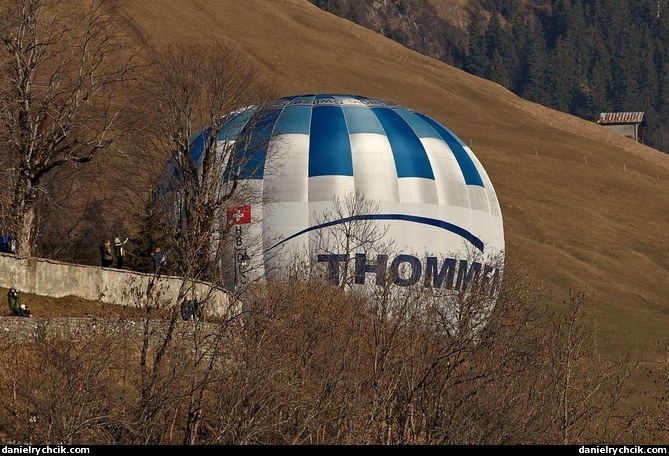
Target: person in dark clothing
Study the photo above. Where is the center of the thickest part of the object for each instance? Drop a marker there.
(106, 253)
(159, 259)
(198, 313)
(186, 309)
(119, 251)
(17, 309)
(191, 309)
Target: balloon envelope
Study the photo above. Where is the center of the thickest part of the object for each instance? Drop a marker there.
(431, 196)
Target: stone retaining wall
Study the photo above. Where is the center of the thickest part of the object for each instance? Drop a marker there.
(114, 286)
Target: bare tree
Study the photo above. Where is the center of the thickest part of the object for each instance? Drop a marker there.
(587, 385)
(201, 90)
(652, 419)
(320, 365)
(210, 100)
(347, 231)
(60, 66)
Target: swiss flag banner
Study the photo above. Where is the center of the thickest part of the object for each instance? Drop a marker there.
(239, 215)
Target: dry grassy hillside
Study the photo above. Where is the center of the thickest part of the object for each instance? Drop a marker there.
(601, 227)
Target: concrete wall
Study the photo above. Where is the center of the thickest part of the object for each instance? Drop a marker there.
(114, 286)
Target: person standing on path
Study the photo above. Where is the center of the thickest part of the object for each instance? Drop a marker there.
(159, 259)
(106, 253)
(119, 251)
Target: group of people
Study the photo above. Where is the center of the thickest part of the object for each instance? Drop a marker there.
(108, 253)
(191, 309)
(17, 309)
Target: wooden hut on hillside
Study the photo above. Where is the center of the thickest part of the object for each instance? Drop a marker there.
(629, 124)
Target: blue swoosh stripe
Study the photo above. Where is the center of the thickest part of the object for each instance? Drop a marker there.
(476, 242)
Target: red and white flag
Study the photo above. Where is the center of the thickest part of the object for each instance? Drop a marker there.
(239, 215)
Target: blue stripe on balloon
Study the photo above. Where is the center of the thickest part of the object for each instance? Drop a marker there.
(410, 157)
(197, 144)
(293, 120)
(248, 160)
(232, 125)
(418, 125)
(361, 120)
(469, 171)
(329, 143)
(475, 241)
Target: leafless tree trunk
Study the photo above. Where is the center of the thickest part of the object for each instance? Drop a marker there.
(587, 386)
(60, 66)
(196, 89)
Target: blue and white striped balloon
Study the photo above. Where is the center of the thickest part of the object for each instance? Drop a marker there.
(432, 192)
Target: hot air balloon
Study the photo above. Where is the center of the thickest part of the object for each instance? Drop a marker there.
(430, 193)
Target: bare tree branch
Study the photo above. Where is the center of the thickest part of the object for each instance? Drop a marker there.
(60, 66)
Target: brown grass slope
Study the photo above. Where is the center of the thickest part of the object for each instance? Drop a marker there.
(599, 227)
